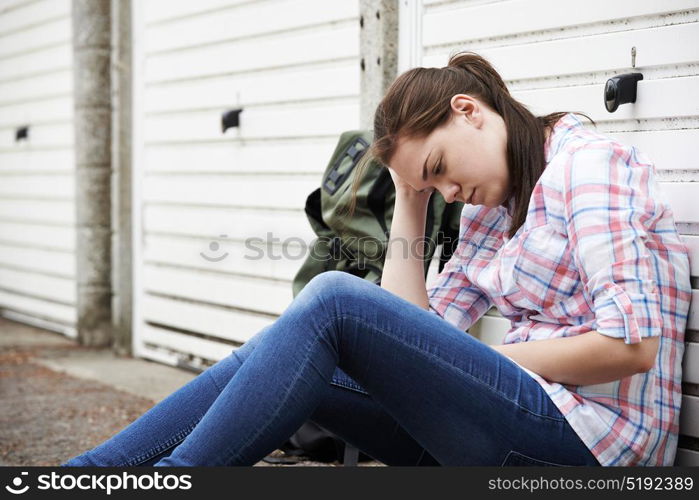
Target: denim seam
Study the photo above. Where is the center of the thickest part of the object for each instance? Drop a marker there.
(286, 396)
(349, 385)
(419, 459)
(531, 459)
(178, 438)
(440, 360)
(219, 389)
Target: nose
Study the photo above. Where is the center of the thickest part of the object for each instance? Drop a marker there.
(449, 192)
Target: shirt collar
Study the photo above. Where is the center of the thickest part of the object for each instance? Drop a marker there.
(560, 130)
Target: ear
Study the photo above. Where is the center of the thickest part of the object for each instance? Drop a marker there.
(467, 108)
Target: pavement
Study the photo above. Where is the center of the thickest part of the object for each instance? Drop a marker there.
(59, 398)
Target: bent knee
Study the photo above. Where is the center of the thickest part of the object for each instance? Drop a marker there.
(333, 281)
(335, 286)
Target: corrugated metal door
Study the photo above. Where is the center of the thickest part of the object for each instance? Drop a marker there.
(37, 220)
(292, 65)
(557, 56)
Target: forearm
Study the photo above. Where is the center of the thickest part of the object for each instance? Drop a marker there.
(404, 267)
(590, 358)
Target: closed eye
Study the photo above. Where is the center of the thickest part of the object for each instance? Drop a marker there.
(438, 169)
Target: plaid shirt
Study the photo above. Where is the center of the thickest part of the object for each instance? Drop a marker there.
(599, 250)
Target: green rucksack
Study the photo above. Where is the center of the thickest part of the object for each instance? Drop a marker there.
(358, 245)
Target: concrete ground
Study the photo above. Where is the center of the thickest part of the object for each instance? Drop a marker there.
(58, 398)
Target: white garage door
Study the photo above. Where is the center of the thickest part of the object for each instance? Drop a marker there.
(292, 66)
(557, 56)
(37, 220)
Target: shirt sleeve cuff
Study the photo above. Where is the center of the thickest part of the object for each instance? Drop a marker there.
(627, 315)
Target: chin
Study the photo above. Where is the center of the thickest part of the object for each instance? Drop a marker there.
(496, 204)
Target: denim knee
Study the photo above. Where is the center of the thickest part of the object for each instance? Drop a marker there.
(331, 279)
(337, 282)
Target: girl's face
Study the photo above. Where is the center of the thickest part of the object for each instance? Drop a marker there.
(465, 159)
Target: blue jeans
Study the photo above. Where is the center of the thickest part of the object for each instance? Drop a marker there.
(398, 382)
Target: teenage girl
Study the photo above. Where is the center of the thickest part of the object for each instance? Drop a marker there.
(564, 230)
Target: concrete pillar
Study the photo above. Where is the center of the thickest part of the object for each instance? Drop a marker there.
(378, 51)
(92, 96)
(122, 284)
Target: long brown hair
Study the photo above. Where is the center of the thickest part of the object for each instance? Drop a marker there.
(418, 102)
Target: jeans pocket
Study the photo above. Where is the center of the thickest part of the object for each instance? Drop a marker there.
(516, 459)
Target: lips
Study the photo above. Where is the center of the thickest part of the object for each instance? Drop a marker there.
(469, 200)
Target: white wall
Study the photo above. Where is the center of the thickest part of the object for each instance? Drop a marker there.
(292, 65)
(37, 220)
(557, 56)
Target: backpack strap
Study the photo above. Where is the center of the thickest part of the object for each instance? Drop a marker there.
(334, 178)
(449, 230)
(376, 199)
(314, 213)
